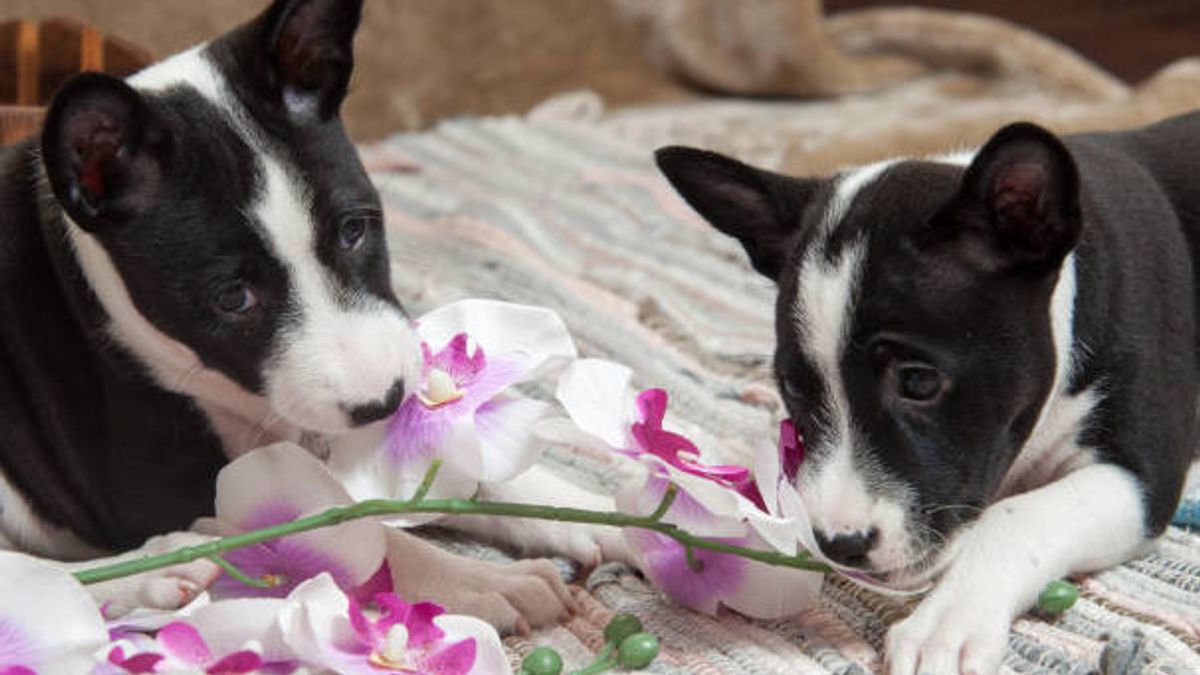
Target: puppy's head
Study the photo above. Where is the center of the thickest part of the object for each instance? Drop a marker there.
(916, 342)
(219, 210)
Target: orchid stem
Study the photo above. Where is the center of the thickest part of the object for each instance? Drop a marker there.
(236, 573)
(665, 505)
(426, 482)
(460, 507)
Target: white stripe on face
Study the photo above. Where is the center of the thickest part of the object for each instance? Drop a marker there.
(836, 488)
(340, 354)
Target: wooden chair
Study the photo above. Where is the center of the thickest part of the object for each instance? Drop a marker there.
(37, 58)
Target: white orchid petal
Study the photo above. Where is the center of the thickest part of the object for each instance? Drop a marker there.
(314, 619)
(508, 444)
(597, 394)
(148, 620)
(770, 592)
(503, 328)
(562, 431)
(282, 476)
(230, 625)
(687, 511)
(50, 612)
(778, 533)
(489, 653)
(767, 471)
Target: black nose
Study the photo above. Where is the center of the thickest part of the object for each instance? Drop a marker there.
(381, 409)
(848, 548)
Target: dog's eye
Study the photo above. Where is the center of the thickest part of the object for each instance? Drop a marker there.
(790, 389)
(352, 232)
(919, 383)
(235, 298)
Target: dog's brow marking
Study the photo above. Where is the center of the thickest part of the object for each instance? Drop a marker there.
(848, 186)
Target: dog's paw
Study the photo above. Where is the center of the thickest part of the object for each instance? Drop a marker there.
(167, 588)
(514, 597)
(949, 634)
(589, 545)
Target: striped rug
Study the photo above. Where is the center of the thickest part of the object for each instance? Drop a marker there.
(574, 217)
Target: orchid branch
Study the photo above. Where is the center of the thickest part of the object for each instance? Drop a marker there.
(374, 508)
(1054, 597)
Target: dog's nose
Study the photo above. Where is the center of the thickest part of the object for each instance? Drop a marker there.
(848, 548)
(381, 409)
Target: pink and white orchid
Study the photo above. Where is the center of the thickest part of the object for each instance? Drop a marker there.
(711, 499)
(277, 484)
(465, 411)
(49, 625)
(329, 630)
(179, 648)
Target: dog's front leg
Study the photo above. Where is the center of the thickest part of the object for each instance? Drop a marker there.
(1088, 520)
(512, 597)
(166, 588)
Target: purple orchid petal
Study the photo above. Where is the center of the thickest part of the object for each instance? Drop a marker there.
(15, 646)
(455, 361)
(363, 629)
(17, 670)
(502, 372)
(791, 450)
(138, 663)
(749, 490)
(666, 564)
(668, 446)
(417, 618)
(456, 659)
(416, 432)
(268, 514)
(286, 561)
(380, 582)
(183, 643)
(244, 661)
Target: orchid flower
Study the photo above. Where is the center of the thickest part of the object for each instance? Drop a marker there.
(327, 629)
(49, 625)
(711, 500)
(464, 411)
(277, 484)
(179, 648)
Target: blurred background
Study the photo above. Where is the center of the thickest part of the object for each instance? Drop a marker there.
(425, 60)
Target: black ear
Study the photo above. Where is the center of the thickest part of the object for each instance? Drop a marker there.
(310, 52)
(763, 210)
(1026, 183)
(104, 150)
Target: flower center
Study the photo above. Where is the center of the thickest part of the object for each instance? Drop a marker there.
(440, 389)
(274, 580)
(393, 654)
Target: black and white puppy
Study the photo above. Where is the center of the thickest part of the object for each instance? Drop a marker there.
(194, 265)
(991, 357)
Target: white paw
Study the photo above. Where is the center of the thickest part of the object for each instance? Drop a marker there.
(168, 588)
(514, 596)
(949, 634)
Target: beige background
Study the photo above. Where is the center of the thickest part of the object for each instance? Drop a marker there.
(420, 60)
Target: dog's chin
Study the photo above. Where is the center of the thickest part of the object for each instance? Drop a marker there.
(915, 576)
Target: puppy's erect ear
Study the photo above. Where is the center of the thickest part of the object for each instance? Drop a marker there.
(310, 52)
(104, 150)
(763, 210)
(1027, 186)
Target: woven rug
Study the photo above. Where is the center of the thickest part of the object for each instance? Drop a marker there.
(573, 216)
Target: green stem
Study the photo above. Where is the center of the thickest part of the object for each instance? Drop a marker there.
(241, 576)
(458, 507)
